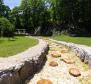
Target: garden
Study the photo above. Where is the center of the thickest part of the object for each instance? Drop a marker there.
(45, 42)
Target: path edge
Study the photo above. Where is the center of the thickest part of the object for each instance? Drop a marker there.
(83, 51)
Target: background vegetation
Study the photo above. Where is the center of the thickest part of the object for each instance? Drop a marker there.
(48, 17)
(45, 18)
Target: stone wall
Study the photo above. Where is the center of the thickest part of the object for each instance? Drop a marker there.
(15, 69)
(83, 51)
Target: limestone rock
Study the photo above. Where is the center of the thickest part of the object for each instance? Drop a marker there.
(64, 51)
(83, 51)
(10, 78)
(56, 54)
(15, 69)
(74, 72)
(44, 81)
(53, 64)
(68, 61)
(26, 70)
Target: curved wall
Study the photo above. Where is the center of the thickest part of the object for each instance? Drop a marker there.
(15, 69)
(83, 51)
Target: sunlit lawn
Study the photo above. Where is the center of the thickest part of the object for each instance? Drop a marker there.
(77, 40)
(16, 45)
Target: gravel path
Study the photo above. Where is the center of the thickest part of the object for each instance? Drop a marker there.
(60, 74)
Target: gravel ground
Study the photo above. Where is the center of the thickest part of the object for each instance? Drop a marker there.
(60, 74)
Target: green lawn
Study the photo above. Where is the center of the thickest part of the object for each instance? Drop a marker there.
(14, 46)
(77, 40)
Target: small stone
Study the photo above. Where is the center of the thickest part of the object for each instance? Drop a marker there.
(68, 61)
(53, 64)
(44, 81)
(64, 51)
(56, 54)
(74, 72)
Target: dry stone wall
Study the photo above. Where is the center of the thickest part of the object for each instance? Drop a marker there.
(83, 51)
(15, 69)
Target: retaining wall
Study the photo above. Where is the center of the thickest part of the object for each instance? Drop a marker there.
(83, 51)
(15, 69)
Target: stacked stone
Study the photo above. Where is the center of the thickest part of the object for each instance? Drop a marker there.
(16, 69)
(84, 52)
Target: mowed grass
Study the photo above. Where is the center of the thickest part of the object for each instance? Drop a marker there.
(16, 45)
(77, 40)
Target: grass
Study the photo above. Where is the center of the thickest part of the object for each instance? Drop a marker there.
(15, 46)
(77, 40)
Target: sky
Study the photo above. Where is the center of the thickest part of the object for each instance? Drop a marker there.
(12, 3)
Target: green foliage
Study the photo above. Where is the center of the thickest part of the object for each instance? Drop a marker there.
(4, 10)
(45, 16)
(73, 15)
(6, 27)
(1, 7)
(16, 18)
(34, 14)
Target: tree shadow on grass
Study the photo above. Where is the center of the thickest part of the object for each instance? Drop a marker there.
(12, 38)
(1, 41)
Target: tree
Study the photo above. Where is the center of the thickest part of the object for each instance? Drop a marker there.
(16, 17)
(34, 14)
(6, 28)
(73, 16)
(4, 10)
(1, 7)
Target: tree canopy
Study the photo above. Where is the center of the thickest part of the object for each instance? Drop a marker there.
(46, 17)
(6, 27)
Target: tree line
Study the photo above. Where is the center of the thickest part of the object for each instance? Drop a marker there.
(48, 17)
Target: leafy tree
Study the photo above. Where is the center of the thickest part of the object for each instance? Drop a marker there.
(34, 14)
(16, 17)
(26, 10)
(7, 11)
(1, 7)
(73, 16)
(6, 28)
(4, 10)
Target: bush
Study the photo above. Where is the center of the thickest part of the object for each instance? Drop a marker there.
(6, 28)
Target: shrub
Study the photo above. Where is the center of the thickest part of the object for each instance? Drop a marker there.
(6, 28)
